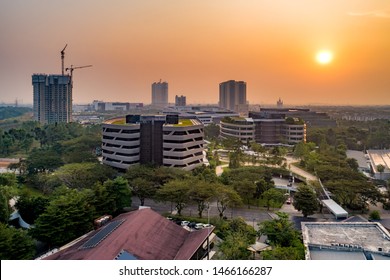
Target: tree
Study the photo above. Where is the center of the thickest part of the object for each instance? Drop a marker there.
(143, 188)
(81, 149)
(235, 247)
(285, 253)
(30, 207)
(8, 179)
(273, 196)
(375, 215)
(246, 189)
(102, 201)
(381, 169)
(211, 131)
(201, 193)
(237, 235)
(226, 197)
(68, 216)
(42, 160)
(84, 175)
(279, 231)
(120, 192)
(15, 244)
(305, 200)
(4, 208)
(175, 191)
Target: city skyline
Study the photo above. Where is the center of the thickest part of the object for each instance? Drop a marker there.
(274, 46)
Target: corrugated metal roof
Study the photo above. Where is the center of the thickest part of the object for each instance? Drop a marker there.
(144, 234)
(336, 209)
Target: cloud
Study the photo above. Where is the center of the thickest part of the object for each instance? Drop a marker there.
(377, 13)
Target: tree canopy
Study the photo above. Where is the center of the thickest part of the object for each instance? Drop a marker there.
(305, 200)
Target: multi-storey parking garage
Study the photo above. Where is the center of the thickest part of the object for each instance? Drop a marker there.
(153, 139)
(121, 143)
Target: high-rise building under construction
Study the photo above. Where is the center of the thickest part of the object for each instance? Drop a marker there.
(52, 96)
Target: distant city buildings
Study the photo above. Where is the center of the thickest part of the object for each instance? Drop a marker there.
(159, 139)
(180, 100)
(114, 106)
(52, 98)
(279, 103)
(232, 96)
(206, 114)
(311, 118)
(160, 94)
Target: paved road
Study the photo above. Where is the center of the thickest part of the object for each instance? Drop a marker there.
(252, 215)
(299, 171)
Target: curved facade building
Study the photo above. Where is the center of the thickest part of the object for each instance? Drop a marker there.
(120, 143)
(294, 133)
(183, 144)
(270, 130)
(236, 127)
(152, 139)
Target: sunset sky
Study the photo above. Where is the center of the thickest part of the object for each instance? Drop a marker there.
(196, 44)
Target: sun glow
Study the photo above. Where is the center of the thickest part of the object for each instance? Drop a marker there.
(324, 57)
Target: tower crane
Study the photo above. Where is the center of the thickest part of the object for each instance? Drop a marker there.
(71, 68)
(62, 58)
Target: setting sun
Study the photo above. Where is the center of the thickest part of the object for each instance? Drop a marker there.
(324, 57)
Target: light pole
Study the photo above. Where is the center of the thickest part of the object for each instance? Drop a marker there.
(208, 231)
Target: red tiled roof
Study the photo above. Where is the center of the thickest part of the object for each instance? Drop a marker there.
(145, 234)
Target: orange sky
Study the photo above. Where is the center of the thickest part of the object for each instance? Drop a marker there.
(196, 44)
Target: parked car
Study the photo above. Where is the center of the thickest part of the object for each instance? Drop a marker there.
(184, 223)
(199, 226)
(192, 225)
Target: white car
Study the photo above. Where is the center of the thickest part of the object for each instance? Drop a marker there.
(199, 226)
(184, 223)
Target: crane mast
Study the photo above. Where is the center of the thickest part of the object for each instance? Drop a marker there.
(62, 58)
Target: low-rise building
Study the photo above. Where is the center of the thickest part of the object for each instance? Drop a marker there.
(239, 128)
(138, 235)
(264, 129)
(345, 241)
(380, 163)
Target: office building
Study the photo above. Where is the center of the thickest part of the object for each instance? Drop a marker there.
(102, 106)
(52, 98)
(180, 100)
(268, 129)
(238, 127)
(160, 94)
(232, 96)
(311, 118)
(159, 139)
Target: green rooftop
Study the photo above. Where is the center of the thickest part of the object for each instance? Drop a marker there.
(184, 122)
(119, 121)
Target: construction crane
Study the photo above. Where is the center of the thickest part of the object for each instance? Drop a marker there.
(62, 58)
(71, 68)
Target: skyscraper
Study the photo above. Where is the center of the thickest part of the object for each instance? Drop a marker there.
(52, 98)
(232, 96)
(180, 100)
(160, 94)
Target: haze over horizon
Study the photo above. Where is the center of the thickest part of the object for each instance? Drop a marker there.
(195, 45)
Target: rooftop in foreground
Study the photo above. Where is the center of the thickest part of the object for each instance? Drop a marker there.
(345, 241)
(142, 234)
